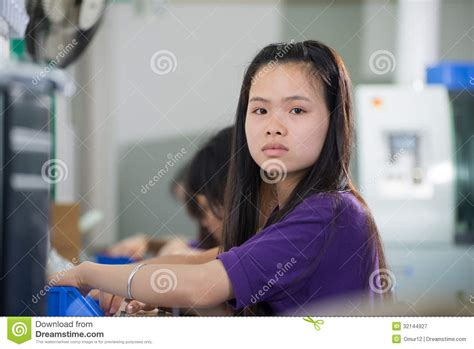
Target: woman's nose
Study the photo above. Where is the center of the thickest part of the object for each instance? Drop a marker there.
(275, 127)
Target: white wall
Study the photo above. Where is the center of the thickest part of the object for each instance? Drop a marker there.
(127, 104)
(123, 103)
(212, 44)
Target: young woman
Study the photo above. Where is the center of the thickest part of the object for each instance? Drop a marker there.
(294, 128)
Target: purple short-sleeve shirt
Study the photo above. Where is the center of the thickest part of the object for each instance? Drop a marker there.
(317, 251)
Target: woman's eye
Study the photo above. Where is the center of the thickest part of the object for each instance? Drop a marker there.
(297, 111)
(260, 111)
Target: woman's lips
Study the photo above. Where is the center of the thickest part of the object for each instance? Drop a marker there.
(274, 149)
(275, 152)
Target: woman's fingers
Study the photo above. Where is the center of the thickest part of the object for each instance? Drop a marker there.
(105, 300)
(109, 303)
(132, 307)
(115, 305)
(94, 294)
(119, 250)
(135, 306)
(134, 247)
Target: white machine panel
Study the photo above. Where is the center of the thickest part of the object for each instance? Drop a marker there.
(405, 161)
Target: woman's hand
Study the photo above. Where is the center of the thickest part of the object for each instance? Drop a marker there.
(71, 277)
(135, 247)
(177, 246)
(108, 302)
(135, 306)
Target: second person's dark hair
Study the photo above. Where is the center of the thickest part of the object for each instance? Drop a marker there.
(207, 175)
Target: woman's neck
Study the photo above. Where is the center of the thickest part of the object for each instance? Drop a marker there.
(285, 188)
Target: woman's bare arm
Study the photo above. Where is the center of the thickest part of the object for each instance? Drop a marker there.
(199, 258)
(163, 285)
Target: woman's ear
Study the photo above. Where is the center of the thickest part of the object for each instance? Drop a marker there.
(202, 202)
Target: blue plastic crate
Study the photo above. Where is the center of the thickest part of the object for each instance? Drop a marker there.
(455, 75)
(68, 301)
(103, 258)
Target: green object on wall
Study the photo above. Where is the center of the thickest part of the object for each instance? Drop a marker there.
(17, 49)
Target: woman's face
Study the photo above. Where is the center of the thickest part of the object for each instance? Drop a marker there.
(287, 118)
(209, 220)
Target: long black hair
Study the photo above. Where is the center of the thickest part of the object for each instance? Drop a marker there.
(206, 174)
(329, 174)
